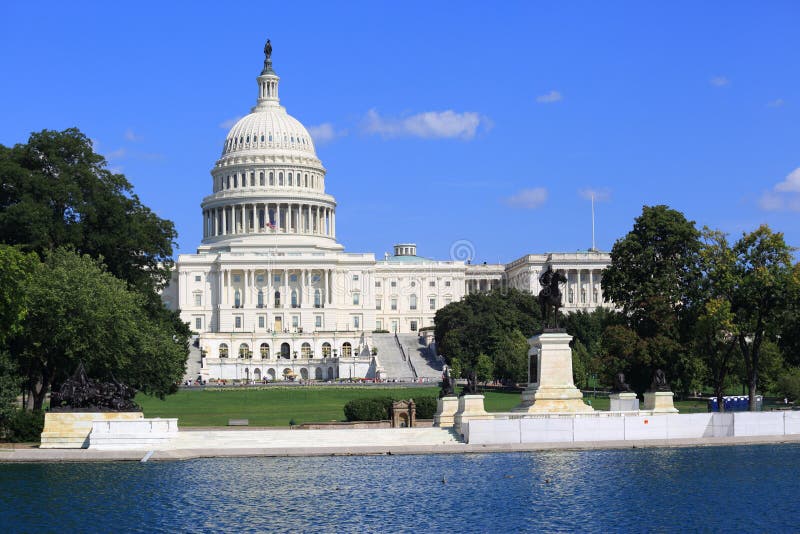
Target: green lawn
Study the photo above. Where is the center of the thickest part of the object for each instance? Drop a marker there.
(276, 406)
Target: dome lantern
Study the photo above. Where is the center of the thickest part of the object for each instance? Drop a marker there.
(267, 82)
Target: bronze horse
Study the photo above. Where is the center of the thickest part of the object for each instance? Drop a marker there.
(550, 296)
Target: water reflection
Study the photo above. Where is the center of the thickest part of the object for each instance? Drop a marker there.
(551, 491)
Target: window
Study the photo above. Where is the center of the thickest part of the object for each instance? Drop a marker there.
(356, 298)
(447, 284)
(277, 299)
(261, 175)
(394, 304)
(271, 175)
(413, 284)
(280, 178)
(305, 350)
(289, 177)
(293, 278)
(223, 350)
(317, 299)
(378, 283)
(252, 178)
(326, 350)
(318, 321)
(431, 284)
(237, 299)
(237, 278)
(413, 326)
(238, 322)
(260, 278)
(583, 295)
(244, 351)
(261, 321)
(378, 303)
(235, 180)
(295, 321)
(294, 299)
(198, 278)
(394, 284)
(356, 322)
(277, 279)
(347, 350)
(378, 325)
(260, 298)
(198, 299)
(412, 302)
(198, 323)
(432, 303)
(264, 349)
(355, 278)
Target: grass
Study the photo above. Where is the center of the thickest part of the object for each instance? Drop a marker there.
(276, 405)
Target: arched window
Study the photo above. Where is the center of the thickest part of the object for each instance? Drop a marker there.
(223, 350)
(347, 350)
(317, 299)
(252, 179)
(277, 299)
(289, 178)
(262, 138)
(228, 184)
(271, 176)
(260, 298)
(280, 178)
(306, 179)
(261, 174)
(305, 351)
(294, 298)
(285, 349)
(244, 351)
(235, 180)
(326, 350)
(412, 302)
(264, 350)
(237, 299)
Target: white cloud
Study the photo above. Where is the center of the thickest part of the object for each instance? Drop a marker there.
(600, 195)
(791, 183)
(528, 198)
(228, 124)
(116, 154)
(130, 135)
(549, 98)
(785, 196)
(719, 81)
(428, 125)
(778, 102)
(325, 133)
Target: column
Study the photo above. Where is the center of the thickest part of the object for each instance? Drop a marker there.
(224, 220)
(246, 285)
(590, 296)
(579, 294)
(333, 218)
(255, 219)
(286, 301)
(330, 296)
(324, 298)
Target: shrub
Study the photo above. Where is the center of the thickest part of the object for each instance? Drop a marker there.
(426, 407)
(24, 426)
(374, 409)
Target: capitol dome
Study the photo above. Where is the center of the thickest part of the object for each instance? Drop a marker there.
(268, 185)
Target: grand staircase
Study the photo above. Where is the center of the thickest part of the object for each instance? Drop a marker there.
(404, 358)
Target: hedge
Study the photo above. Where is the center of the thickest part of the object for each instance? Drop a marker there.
(378, 408)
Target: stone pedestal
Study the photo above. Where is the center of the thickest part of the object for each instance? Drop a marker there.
(551, 388)
(70, 430)
(659, 402)
(469, 407)
(141, 434)
(446, 409)
(623, 402)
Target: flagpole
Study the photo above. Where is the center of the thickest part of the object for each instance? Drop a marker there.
(593, 247)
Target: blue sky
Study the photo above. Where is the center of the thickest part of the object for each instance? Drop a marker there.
(438, 122)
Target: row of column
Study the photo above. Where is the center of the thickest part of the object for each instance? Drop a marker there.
(580, 289)
(249, 287)
(262, 217)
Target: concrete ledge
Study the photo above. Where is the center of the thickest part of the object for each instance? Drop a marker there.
(132, 435)
(70, 430)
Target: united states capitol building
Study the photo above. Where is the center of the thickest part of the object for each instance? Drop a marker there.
(272, 293)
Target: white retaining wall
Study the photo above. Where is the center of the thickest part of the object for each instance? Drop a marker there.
(513, 428)
(132, 435)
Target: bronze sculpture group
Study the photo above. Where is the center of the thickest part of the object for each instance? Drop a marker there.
(82, 394)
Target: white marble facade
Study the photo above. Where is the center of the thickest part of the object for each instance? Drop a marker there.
(270, 291)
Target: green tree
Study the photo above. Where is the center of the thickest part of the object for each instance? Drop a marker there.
(510, 355)
(654, 278)
(484, 368)
(15, 272)
(77, 310)
(58, 192)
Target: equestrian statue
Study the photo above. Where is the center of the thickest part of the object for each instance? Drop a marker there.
(550, 296)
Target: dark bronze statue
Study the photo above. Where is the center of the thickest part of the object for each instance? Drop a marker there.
(447, 385)
(550, 296)
(82, 394)
(659, 382)
(268, 50)
(619, 384)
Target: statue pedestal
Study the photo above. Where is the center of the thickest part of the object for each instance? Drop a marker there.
(445, 411)
(551, 388)
(469, 407)
(659, 402)
(70, 430)
(624, 402)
